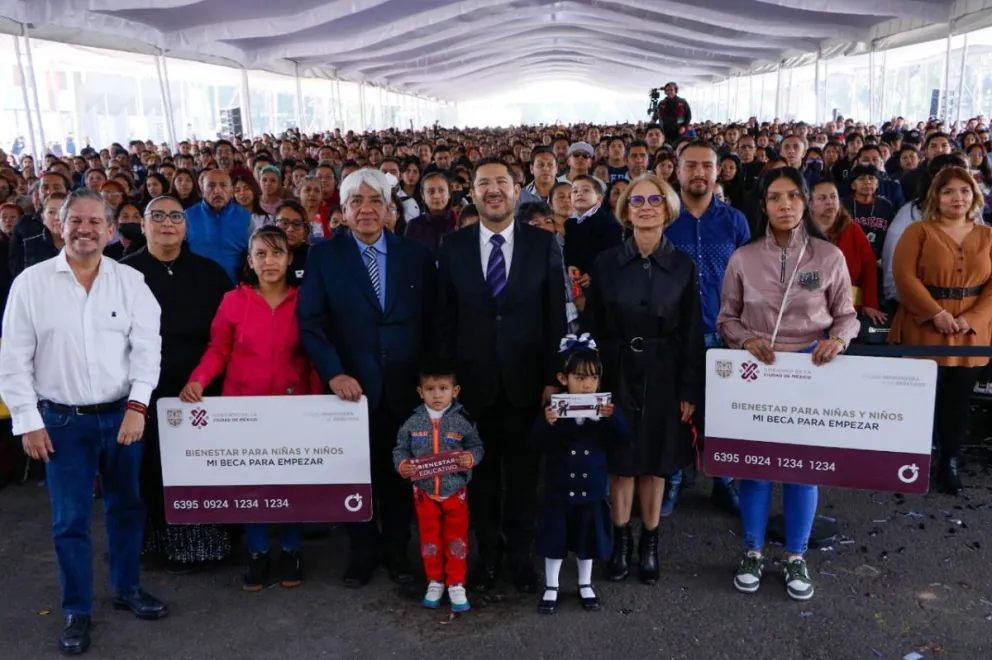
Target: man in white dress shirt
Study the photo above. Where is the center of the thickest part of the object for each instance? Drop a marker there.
(79, 359)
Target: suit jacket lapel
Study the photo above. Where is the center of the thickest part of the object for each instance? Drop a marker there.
(394, 263)
(355, 263)
(522, 250)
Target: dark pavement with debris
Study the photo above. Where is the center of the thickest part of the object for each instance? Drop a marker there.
(913, 576)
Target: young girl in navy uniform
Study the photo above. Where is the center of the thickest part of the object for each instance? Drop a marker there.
(575, 516)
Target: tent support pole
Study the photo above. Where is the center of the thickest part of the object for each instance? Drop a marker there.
(166, 110)
(299, 99)
(881, 100)
(816, 82)
(27, 103)
(942, 110)
(361, 104)
(34, 88)
(778, 92)
(163, 80)
(871, 85)
(246, 104)
(964, 61)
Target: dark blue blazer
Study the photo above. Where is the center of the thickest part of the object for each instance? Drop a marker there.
(346, 332)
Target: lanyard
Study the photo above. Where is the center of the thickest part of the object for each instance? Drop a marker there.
(788, 288)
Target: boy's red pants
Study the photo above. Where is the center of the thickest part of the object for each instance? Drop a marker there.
(443, 536)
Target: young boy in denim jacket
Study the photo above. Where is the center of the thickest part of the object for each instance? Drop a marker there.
(440, 425)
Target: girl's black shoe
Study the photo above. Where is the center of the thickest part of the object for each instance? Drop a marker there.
(588, 604)
(623, 551)
(548, 606)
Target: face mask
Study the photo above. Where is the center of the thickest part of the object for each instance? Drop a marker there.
(815, 165)
(130, 230)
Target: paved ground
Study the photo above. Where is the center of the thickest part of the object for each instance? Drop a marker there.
(915, 576)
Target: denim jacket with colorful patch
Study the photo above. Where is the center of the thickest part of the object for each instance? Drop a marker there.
(423, 436)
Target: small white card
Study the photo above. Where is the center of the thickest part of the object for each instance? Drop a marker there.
(579, 405)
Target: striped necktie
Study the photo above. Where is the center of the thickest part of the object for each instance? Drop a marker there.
(496, 269)
(372, 265)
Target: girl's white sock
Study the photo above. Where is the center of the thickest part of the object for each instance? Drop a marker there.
(585, 577)
(551, 569)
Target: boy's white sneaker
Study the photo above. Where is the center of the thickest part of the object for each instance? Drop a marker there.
(435, 591)
(459, 602)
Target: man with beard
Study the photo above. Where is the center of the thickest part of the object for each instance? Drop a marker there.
(80, 357)
(709, 231)
(501, 316)
(218, 227)
(224, 155)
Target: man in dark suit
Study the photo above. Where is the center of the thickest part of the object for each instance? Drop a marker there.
(501, 317)
(366, 307)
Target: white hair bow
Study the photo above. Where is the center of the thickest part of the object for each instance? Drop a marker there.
(571, 343)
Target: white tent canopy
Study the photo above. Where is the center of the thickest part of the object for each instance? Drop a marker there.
(459, 50)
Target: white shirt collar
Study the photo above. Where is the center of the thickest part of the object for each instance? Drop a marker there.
(486, 234)
(62, 264)
(588, 214)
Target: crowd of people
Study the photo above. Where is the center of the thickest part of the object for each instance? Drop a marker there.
(457, 279)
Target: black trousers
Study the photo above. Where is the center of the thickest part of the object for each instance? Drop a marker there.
(388, 533)
(503, 490)
(952, 412)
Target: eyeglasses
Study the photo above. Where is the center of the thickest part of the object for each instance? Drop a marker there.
(637, 201)
(176, 217)
(280, 222)
(580, 154)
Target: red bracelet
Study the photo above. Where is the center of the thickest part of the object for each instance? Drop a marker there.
(137, 407)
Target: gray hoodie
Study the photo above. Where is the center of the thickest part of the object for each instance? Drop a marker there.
(422, 436)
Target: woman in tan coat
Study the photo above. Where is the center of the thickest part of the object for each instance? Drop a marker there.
(941, 267)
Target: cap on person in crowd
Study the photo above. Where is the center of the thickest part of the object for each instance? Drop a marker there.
(864, 170)
(584, 147)
(913, 137)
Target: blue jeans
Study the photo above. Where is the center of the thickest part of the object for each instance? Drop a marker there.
(799, 502)
(257, 536)
(86, 445)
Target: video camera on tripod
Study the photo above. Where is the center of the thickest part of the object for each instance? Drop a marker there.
(655, 96)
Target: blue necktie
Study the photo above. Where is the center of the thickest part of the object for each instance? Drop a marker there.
(496, 270)
(372, 265)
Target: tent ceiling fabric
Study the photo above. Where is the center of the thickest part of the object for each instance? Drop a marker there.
(461, 49)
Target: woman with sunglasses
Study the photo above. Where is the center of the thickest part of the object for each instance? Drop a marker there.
(255, 343)
(643, 308)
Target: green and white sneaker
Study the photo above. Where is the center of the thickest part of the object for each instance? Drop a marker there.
(748, 577)
(797, 581)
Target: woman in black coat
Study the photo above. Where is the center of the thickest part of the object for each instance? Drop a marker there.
(643, 309)
(189, 289)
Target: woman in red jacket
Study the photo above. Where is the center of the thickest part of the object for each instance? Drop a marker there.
(837, 226)
(255, 342)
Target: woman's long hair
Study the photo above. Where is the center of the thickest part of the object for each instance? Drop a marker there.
(931, 206)
(256, 193)
(794, 176)
(934, 168)
(194, 197)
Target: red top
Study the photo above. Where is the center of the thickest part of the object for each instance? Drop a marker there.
(259, 347)
(861, 264)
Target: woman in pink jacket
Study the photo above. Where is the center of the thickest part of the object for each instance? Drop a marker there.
(255, 342)
(787, 290)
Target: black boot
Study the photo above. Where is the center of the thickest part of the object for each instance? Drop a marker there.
(623, 551)
(950, 476)
(647, 554)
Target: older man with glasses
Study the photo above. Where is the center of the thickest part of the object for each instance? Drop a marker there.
(368, 338)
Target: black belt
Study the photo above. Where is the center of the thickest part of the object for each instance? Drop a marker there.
(954, 293)
(95, 409)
